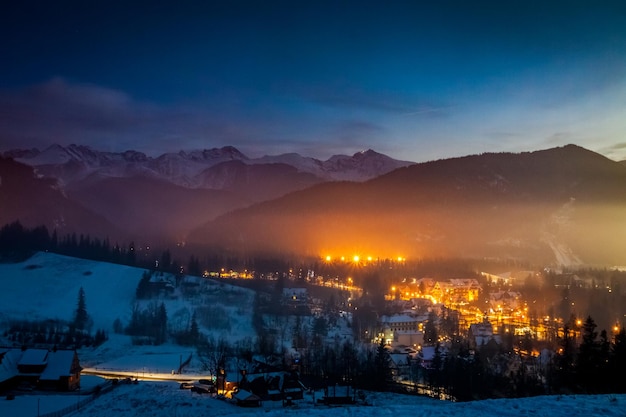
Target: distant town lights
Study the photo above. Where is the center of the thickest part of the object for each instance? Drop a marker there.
(361, 259)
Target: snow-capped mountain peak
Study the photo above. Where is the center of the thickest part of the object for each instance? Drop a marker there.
(73, 163)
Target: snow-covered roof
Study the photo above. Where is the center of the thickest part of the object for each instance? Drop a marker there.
(398, 318)
(33, 357)
(399, 358)
(8, 363)
(465, 283)
(59, 364)
(501, 295)
(427, 353)
(295, 291)
(484, 329)
(243, 395)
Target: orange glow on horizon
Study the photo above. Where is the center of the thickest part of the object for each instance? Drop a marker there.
(360, 259)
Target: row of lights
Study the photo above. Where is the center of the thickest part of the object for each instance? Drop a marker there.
(356, 259)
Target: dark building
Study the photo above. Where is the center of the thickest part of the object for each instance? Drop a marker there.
(55, 370)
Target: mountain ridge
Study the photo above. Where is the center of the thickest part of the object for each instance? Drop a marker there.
(35, 201)
(75, 162)
(507, 204)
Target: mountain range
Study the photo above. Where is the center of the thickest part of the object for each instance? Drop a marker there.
(194, 169)
(562, 205)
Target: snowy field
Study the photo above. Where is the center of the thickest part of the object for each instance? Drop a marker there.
(46, 287)
(165, 399)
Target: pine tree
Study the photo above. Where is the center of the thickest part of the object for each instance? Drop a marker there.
(144, 290)
(618, 361)
(161, 324)
(194, 332)
(166, 261)
(563, 371)
(434, 373)
(81, 318)
(430, 330)
(588, 360)
(193, 266)
(131, 256)
(383, 377)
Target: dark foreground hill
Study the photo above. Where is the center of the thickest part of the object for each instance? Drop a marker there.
(35, 201)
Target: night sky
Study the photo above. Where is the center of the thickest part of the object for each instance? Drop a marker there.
(415, 80)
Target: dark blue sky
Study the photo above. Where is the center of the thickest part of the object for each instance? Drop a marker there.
(415, 80)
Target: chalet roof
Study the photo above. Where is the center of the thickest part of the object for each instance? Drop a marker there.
(398, 318)
(243, 395)
(295, 290)
(428, 353)
(443, 284)
(32, 357)
(8, 363)
(465, 283)
(428, 282)
(59, 365)
(501, 295)
(408, 332)
(399, 359)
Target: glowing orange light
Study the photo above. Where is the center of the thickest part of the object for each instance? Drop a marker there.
(356, 258)
(328, 258)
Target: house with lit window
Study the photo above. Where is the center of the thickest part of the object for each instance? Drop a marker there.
(403, 329)
(505, 301)
(456, 291)
(480, 334)
(295, 295)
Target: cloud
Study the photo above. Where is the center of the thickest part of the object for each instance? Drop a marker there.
(616, 151)
(64, 112)
(357, 98)
(560, 138)
(430, 110)
(617, 147)
(59, 111)
(357, 134)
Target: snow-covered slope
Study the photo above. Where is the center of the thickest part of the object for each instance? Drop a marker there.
(161, 399)
(46, 287)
